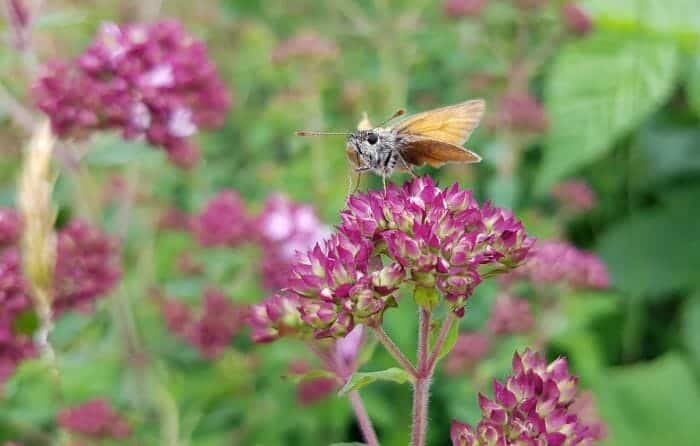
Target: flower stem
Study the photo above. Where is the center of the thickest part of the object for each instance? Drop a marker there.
(444, 330)
(363, 419)
(393, 350)
(421, 388)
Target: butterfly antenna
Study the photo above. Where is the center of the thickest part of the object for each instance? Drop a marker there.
(399, 112)
(315, 133)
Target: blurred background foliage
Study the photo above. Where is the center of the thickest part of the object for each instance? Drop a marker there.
(620, 110)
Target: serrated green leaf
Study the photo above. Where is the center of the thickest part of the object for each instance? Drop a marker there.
(360, 379)
(656, 251)
(650, 404)
(426, 297)
(598, 90)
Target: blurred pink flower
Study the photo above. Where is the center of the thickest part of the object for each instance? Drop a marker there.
(87, 266)
(555, 262)
(510, 315)
(96, 419)
(305, 45)
(463, 8)
(285, 228)
(10, 227)
(211, 328)
(470, 348)
(14, 301)
(577, 21)
(521, 112)
(151, 81)
(574, 196)
(223, 221)
(174, 219)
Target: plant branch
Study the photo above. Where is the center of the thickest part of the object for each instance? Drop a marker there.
(440, 341)
(393, 350)
(421, 388)
(363, 419)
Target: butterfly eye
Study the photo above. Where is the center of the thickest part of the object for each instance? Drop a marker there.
(372, 138)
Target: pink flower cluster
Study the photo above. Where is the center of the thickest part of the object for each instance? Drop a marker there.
(212, 329)
(151, 81)
(223, 221)
(521, 112)
(559, 263)
(538, 404)
(430, 237)
(14, 301)
(574, 196)
(285, 228)
(87, 267)
(95, 419)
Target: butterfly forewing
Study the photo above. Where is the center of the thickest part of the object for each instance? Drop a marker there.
(452, 124)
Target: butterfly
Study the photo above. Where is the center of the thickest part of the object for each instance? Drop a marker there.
(432, 138)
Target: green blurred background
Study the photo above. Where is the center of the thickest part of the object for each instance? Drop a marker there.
(620, 109)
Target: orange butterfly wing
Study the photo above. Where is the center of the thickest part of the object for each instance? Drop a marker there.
(436, 153)
(452, 124)
(435, 137)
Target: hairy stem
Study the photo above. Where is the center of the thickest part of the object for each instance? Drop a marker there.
(394, 350)
(421, 388)
(363, 419)
(440, 341)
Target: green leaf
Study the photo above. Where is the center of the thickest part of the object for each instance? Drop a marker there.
(358, 380)
(450, 340)
(426, 297)
(694, 85)
(599, 89)
(690, 325)
(676, 19)
(656, 251)
(650, 404)
(311, 374)
(668, 151)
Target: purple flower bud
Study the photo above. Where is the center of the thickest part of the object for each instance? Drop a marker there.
(276, 316)
(222, 221)
(462, 434)
(532, 409)
(87, 266)
(521, 112)
(577, 21)
(95, 419)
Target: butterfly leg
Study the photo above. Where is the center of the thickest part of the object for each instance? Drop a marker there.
(384, 182)
(405, 165)
(353, 188)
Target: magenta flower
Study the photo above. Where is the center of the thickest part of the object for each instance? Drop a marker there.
(211, 329)
(14, 300)
(87, 266)
(577, 21)
(223, 221)
(285, 228)
(559, 263)
(463, 8)
(416, 234)
(521, 112)
(470, 348)
(510, 315)
(536, 405)
(147, 81)
(574, 196)
(10, 227)
(96, 419)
